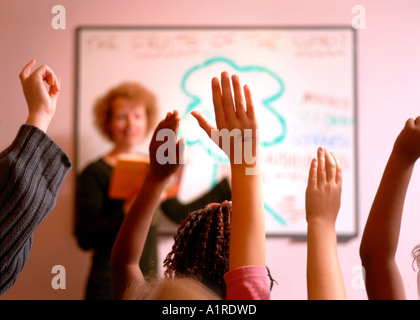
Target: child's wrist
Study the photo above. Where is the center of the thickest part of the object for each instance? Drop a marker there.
(40, 120)
(321, 223)
(403, 158)
(246, 169)
(156, 178)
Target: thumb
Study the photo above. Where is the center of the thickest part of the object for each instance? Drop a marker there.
(202, 122)
(180, 151)
(27, 70)
(55, 87)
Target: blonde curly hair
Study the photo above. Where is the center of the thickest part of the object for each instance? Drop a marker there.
(132, 91)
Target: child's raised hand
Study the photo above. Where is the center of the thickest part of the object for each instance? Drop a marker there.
(323, 199)
(407, 144)
(41, 101)
(165, 148)
(234, 114)
(323, 194)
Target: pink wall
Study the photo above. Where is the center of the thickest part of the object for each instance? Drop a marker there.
(388, 71)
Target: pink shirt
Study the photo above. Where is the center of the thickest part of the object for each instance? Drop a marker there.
(247, 283)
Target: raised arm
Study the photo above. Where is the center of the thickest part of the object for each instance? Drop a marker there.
(235, 117)
(131, 238)
(380, 238)
(32, 170)
(323, 199)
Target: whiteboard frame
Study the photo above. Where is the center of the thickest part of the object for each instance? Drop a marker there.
(296, 236)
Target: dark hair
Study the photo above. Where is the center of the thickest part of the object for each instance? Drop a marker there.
(416, 256)
(201, 247)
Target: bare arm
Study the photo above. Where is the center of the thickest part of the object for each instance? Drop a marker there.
(323, 198)
(233, 112)
(380, 238)
(131, 238)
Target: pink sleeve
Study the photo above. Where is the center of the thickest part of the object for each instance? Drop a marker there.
(247, 283)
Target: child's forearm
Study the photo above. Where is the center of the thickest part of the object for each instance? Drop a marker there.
(325, 281)
(382, 229)
(247, 244)
(381, 235)
(40, 120)
(131, 238)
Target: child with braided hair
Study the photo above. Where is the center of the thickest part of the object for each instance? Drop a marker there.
(221, 245)
(201, 247)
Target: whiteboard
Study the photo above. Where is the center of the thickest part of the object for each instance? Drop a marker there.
(303, 81)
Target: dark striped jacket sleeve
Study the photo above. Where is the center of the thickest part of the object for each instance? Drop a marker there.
(32, 170)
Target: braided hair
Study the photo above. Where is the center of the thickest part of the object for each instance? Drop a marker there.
(416, 257)
(201, 247)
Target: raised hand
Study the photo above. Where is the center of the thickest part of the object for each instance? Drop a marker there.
(165, 155)
(132, 235)
(41, 101)
(235, 119)
(382, 230)
(323, 198)
(407, 144)
(323, 194)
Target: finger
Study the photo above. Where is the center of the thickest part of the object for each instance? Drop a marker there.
(55, 88)
(50, 78)
(219, 111)
(170, 115)
(160, 126)
(338, 172)
(410, 123)
(175, 120)
(249, 103)
(202, 122)
(312, 177)
(417, 121)
(164, 122)
(227, 97)
(330, 166)
(321, 172)
(180, 151)
(26, 71)
(168, 119)
(171, 121)
(239, 100)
